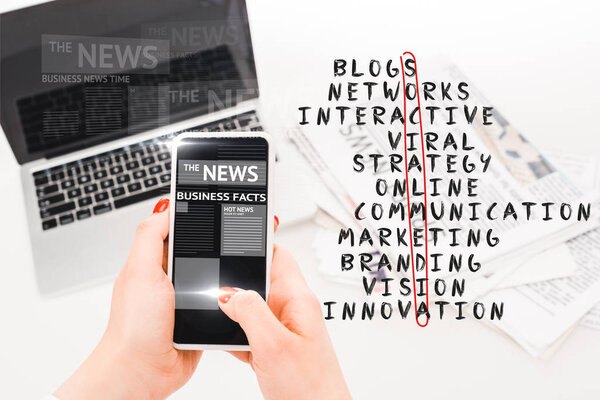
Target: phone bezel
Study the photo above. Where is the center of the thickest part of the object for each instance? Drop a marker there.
(270, 221)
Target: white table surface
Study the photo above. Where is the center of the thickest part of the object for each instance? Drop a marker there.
(522, 55)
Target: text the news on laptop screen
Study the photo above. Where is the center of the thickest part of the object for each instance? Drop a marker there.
(76, 74)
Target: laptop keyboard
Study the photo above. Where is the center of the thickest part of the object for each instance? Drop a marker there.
(99, 184)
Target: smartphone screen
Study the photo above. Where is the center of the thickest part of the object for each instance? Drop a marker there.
(219, 232)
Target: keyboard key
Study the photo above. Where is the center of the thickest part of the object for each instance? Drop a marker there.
(100, 174)
(132, 165)
(66, 219)
(48, 224)
(121, 157)
(107, 183)
(90, 166)
(150, 182)
(47, 201)
(74, 193)
(117, 169)
(69, 183)
(120, 191)
(148, 160)
(132, 199)
(102, 208)
(155, 169)
(168, 165)
(47, 190)
(85, 201)
(163, 156)
(132, 187)
(83, 179)
(58, 176)
(165, 178)
(101, 197)
(137, 152)
(49, 212)
(90, 188)
(74, 171)
(152, 148)
(123, 178)
(42, 180)
(83, 214)
(139, 174)
(104, 161)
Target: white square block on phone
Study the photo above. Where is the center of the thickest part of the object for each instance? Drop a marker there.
(196, 283)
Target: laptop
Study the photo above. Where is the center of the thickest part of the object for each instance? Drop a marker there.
(92, 93)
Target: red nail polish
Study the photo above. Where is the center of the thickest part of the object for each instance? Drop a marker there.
(226, 293)
(277, 219)
(161, 206)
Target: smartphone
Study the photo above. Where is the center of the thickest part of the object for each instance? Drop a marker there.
(221, 231)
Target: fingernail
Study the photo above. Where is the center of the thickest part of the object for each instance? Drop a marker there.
(226, 293)
(161, 206)
(276, 220)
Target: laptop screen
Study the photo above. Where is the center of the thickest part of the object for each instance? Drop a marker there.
(77, 73)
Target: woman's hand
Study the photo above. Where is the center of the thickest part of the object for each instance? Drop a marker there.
(136, 357)
(291, 352)
(290, 349)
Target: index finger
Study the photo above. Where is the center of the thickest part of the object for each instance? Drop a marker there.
(285, 270)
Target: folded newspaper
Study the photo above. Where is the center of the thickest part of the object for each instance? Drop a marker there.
(517, 173)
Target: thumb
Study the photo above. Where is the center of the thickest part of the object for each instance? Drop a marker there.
(247, 308)
(148, 244)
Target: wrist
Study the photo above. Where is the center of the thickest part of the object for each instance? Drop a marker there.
(337, 390)
(106, 373)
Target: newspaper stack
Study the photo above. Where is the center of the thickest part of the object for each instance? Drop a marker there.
(547, 274)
